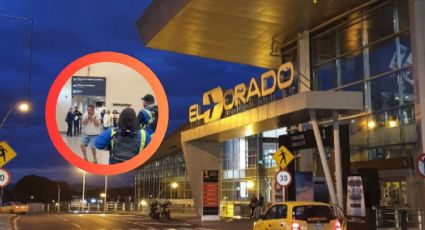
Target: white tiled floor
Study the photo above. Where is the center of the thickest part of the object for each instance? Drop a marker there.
(74, 144)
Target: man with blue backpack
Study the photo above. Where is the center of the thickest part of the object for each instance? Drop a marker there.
(148, 116)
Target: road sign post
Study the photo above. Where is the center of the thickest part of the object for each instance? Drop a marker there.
(4, 181)
(283, 157)
(6, 153)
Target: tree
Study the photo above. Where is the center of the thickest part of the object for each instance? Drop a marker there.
(34, 188)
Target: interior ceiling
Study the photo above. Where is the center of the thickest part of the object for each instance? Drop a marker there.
(239, 30)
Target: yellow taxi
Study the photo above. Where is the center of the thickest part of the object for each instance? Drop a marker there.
(14, 208)
(300, 216)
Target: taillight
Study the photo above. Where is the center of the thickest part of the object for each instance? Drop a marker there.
(337, 225)
(295, 226)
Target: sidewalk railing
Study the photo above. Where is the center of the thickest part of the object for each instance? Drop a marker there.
(399, 218)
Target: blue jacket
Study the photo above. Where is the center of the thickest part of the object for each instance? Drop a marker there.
(103, 141)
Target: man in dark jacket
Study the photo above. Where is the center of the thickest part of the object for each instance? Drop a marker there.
(69, 120)
(77, 119)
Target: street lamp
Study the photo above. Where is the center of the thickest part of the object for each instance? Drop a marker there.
(84, 189)
(173, 185)
(23, 107)
(250, 184)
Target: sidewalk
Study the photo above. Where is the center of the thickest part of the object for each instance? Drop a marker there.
(5, 221)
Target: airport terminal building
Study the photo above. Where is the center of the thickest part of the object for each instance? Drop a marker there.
(348, 73)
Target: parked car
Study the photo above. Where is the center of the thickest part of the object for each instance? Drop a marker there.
(14, 208)
(299, 215)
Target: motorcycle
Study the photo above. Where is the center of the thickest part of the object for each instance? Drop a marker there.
(154, 208)
(165, 211)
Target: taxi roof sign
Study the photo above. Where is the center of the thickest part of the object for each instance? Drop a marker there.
(6, 153)
(283, 157)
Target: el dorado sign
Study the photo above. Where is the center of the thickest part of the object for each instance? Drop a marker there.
(241, 94)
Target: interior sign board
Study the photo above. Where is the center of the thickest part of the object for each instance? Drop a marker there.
(88, 86)
(210, 200)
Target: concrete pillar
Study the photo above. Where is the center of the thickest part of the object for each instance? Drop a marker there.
(417, 34)
(199, 156)
(304, 62)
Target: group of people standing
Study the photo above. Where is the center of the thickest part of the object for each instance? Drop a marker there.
(256, 205)
(109, 119)
(73, 120)
(123, 134)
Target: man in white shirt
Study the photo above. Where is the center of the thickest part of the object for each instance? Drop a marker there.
(91, 124)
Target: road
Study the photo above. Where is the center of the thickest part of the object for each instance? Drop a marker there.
(113, 222)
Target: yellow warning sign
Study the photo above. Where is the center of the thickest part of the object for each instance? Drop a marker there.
(283, 157)
(6, 153)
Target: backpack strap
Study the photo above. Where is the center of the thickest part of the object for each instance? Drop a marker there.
(149, 113)
(142, 139)
(113, 133)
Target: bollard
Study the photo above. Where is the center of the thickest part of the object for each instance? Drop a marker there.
(403, 219)
(123, 206)
(115, 206)
(131, 206)
(396, 219)
(48, 208)
(420, 224)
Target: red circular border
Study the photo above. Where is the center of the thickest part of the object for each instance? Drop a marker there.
(144, 72)
(9, 177)
(290, 176)
(417, 164)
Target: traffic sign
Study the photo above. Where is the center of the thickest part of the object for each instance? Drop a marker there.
(283, 157)
(6, 153)
(283, 178)
(4, 178)
(420, 164)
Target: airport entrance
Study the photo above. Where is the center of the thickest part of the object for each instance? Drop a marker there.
(308, 181)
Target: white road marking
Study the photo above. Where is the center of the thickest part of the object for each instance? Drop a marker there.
(15, 223)
(76, 225)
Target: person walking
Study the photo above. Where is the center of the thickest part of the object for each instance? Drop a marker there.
(148, 116)
(91, 125)
(125, 141)
(69, 120)
(253, 205)
(77, 120)
(259, 207)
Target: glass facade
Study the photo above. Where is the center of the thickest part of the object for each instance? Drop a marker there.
(247, 167)
(155, 177)
(369, 51)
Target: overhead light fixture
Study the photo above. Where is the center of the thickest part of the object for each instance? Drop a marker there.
(371, 124)
(392, 123)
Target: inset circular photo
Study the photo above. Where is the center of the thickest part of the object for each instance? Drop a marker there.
(107, 113)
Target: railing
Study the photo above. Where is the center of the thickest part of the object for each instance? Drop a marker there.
(177, 206)
(399, 218)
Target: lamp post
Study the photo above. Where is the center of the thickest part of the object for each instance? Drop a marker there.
(84, 189)
(106, 192)
(103, 195)
(59, 198)
(23, 107)
(173, 185)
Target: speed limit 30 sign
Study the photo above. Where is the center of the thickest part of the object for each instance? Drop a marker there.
(4, 177)
(283, 178)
